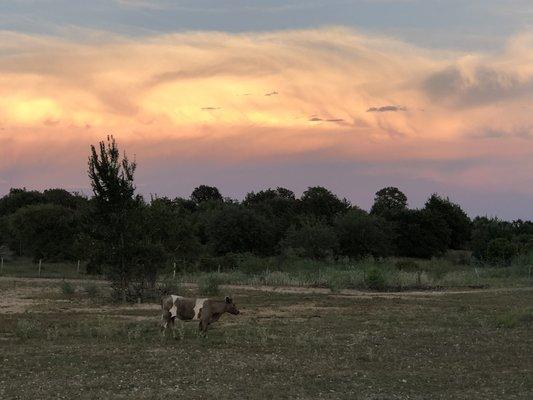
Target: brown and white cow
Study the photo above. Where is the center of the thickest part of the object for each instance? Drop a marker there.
(206, 311)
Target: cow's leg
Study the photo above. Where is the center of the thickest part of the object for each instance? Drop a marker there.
(202, 326)
(165, 320)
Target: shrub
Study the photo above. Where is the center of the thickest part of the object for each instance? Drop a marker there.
(208, 285)
(500, 251)
(375, 279)
(66, 288)
(26, 328)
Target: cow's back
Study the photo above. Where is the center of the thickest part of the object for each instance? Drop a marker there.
(182, 307)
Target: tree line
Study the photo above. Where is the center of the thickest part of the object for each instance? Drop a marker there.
(121, 234)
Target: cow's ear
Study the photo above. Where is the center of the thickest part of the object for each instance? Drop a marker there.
(228, 299)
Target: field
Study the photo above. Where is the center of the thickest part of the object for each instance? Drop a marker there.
(286, 344)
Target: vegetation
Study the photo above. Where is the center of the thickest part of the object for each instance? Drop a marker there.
(271, 234)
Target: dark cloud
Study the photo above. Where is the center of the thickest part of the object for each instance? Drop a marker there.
(271, 94)
(210, 108)
(314, 118)
(386, 109)
(483, 85)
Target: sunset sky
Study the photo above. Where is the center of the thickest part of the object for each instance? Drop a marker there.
(426, 95)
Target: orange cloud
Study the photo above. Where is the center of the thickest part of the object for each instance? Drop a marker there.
(232, 97)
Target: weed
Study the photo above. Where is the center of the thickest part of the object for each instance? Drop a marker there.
(67, 289)
(26, 329)
(375, 279)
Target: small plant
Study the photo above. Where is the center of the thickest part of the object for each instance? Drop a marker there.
(375, 279)
(208, 285)
(66, 288)
(26, 329)
(92, 291)
(514, 319)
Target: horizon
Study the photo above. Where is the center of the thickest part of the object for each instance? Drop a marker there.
(352, 95)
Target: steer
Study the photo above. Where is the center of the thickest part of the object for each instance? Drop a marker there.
(206, 311)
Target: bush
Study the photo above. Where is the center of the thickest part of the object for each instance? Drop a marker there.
(500, 251)
(67, 289)
(26, 329)
(375, 279)
(208, 285)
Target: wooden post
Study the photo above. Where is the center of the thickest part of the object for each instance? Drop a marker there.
(174, 273)
(78, 266)
(40, 263)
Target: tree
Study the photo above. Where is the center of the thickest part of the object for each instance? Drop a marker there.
(361, 234)
(119, 231)
(44, 231)
(312, 238)
(420, 233)
(18, 198)
(279, 206)
(484, 231)
(172, 225)
(321, 203)
(235, 229)
(389, 201)
(204, 193)
(458, 223)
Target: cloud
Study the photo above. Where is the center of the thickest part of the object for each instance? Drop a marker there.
(155, 93)
(271, 94)
(386, 109)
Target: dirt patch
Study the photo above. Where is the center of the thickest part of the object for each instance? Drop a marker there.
(21, 299)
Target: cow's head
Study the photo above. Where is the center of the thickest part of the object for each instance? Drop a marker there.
(230, 306)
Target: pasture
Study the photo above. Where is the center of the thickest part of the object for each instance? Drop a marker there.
(301, 343)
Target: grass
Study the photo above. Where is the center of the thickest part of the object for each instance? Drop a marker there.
(281, 346)
(24, 267)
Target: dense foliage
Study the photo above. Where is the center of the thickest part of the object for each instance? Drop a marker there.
(120, 234)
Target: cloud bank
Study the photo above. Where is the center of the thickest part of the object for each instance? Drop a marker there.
(339, 95)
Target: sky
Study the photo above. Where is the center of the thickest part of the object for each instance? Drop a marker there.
(431, 96)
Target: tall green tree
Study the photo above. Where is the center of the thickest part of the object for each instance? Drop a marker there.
(121, 240)
(44, 231)
(458, 223)
(204, 193)
(361, 234)
(389, 201)
(319, 202)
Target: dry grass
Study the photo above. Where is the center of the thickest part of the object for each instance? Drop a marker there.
(283, 346)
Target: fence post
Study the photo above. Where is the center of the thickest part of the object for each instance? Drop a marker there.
(174, 273)
(40, 263)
